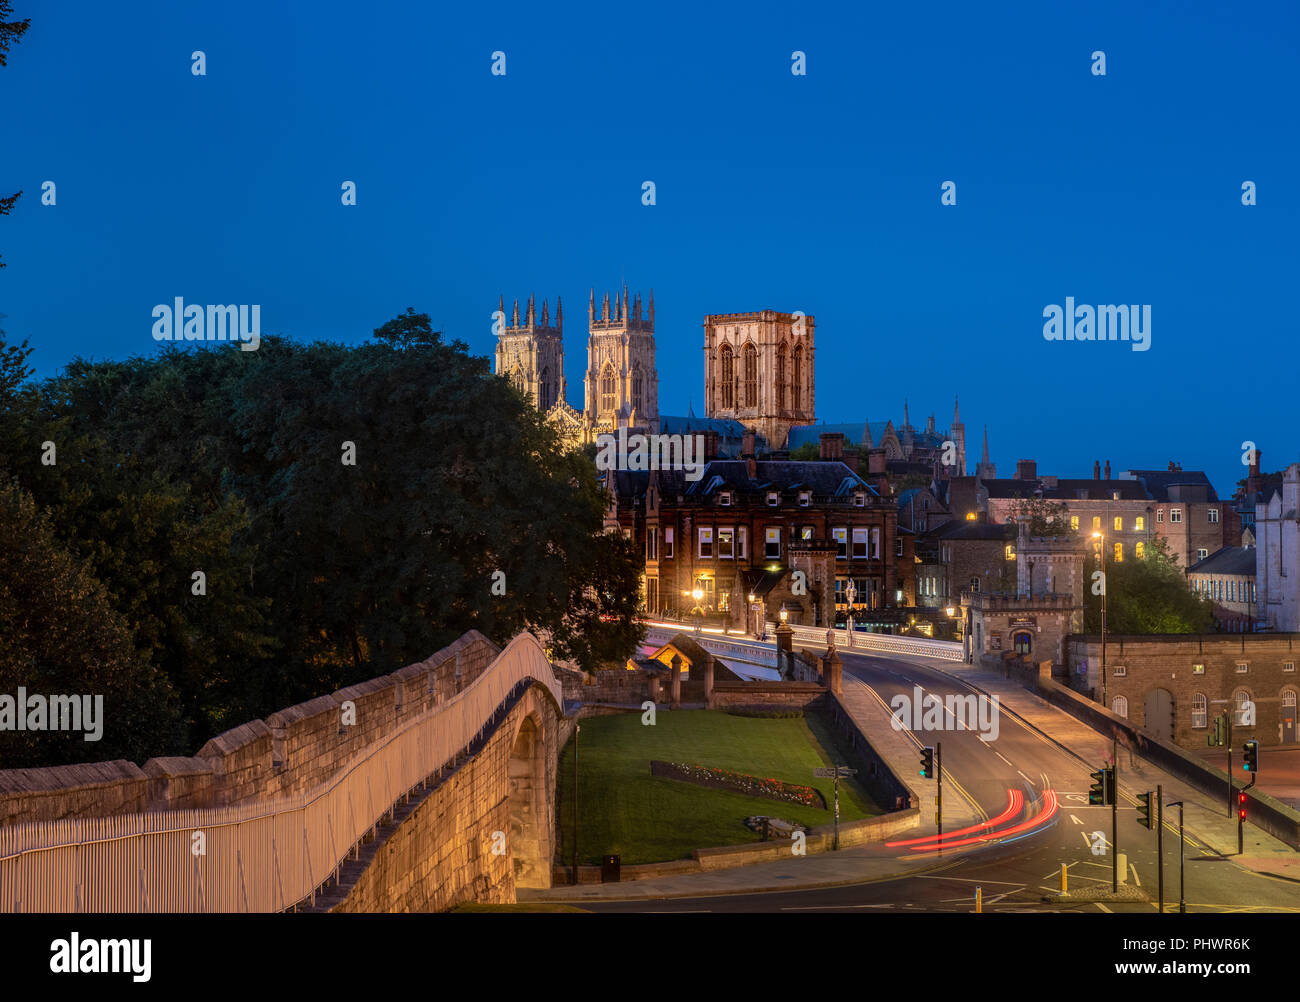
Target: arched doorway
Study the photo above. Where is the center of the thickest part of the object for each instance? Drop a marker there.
(1022, 643)
(526, 778)
(1158, 707)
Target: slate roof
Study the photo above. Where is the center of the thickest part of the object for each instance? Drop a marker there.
(822, 477)
(1067, 490)
(973, 530)
(1158, 482)
(1229, 560)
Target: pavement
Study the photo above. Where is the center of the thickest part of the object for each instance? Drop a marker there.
(1205, 818)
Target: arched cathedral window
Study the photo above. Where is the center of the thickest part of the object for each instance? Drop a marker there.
(727, 363)
(607, 388)
(798, 378)
(751, 375)
(636, 389)
(780, 378)
(544, 389)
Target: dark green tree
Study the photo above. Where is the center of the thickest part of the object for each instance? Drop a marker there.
(10, 33)
(1146, 595)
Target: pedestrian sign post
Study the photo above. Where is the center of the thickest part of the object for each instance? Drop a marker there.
(835, 773)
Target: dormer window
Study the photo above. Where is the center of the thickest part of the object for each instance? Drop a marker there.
(859, 500)
(805, 499)
(773, 499)
(724, 498)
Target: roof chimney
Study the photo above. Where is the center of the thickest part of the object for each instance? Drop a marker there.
(832, 443)
(710, 445)
(747, 453)
(1096, 469)
(1252, 481)
(1026, 469)
(850, 459)
(1108, 469)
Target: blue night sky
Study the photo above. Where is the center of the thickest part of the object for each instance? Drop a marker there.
(817, 193)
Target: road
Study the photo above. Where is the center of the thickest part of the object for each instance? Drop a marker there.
(1016, 873)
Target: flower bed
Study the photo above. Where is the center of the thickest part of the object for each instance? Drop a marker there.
(739, 782)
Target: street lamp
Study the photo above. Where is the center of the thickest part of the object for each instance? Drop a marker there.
(850, 593)
(697, 594)
(753, 611)
(1099, 547)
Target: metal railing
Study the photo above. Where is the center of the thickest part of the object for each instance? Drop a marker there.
(260, 856)
(815, 638)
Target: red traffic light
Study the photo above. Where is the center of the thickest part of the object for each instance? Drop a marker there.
(1241, 805)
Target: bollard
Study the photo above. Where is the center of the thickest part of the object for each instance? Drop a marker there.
(1121, 860)
(979, 901)
(1064, 880)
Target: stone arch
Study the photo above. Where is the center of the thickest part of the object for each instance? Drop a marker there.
(526, 773)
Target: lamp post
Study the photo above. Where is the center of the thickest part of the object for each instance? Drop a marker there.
(752, 612)
(850, 593)
(698, 595)
(952, 613)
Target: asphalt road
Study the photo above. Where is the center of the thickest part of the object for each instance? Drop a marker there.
(1014, 874)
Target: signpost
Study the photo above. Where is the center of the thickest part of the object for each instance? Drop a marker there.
(835, 773)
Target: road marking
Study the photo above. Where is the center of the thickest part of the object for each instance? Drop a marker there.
(1136, 879)
(1026, 779)
(1103, 907)
(822, 908)
(1004, 758)
(1075, 820)
(968, 880)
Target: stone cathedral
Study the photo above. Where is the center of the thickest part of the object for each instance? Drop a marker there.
(622, 382)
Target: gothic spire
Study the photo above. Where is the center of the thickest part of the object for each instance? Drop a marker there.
(956, 412)
(591, 307)
(546, 315)
(515, 323)
(984, 460)
(559, 314)
(532, 313)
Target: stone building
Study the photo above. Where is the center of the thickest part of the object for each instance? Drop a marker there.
(531, 354)
(622, 383)
(908, 450)
(1173, 686)
(1046, 607)
(1277, 553)
(758, 369)
(1227, 578)
(1187, 513)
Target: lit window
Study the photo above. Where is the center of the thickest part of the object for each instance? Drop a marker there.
(971, 516)
(841, 537)
(806, 532)
(1119, 553)
(1139, 523)
(975, 584)
(772, 544)
(1011, 552)
(1074, 522)
(726, 544)
(1139, 550)
(1119, 523)
(1198, 669)
(1096, 522)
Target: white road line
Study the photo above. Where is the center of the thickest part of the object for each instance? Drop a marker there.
(1025, 778)
(968, 880)
(1005, 759)
(1075, 820)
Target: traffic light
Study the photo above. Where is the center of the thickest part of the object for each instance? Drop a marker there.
(1241, 805)
(927, 762)
(1144, 810)
(1250, 753)
(1215, 738)
(1097, 792)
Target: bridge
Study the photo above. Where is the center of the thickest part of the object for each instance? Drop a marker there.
(300, 811)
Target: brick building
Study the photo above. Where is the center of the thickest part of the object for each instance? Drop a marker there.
(1174, 685)
(1187, 513)
(747, 526)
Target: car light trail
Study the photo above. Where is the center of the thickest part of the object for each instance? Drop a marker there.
(1015, 800)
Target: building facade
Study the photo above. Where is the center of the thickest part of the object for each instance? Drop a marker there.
(1227, 578)
(531, 353)
(758, 369)
(622, 383)
(1277, 553)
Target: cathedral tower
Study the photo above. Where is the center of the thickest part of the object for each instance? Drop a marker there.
(531, 354)
(622, 384)
(758, 370)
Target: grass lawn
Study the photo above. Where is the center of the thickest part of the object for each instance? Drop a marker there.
(652, 819)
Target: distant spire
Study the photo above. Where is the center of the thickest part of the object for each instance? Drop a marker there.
(546, 315)
(907, 421)
(501, 307)
(559, 314)
(984, 460)
(591, 307)
(956, 412)
(604, 309)
(652, 307)
(532, 313)
(516, 320)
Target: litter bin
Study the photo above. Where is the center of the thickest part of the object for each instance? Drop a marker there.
(610, 868)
